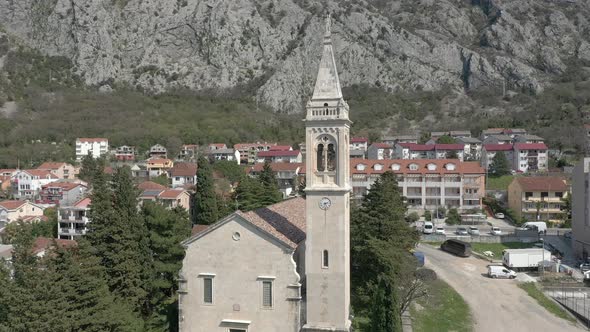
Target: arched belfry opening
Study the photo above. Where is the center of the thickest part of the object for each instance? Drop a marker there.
(326, 154)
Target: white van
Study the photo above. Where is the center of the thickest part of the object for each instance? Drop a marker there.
(499, 271)
(540, 225)
(428, 228)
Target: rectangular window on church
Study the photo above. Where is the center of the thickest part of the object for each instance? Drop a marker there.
(267, 294)
(208, 290)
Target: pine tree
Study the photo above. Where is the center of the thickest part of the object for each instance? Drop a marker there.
(120, 237)
(205, 198)
(500, 165)
(88, 168)
(271, 193)
(249, 194)
(380, 239)
(167, 228)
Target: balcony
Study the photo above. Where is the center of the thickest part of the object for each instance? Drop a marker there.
(543, 199)
(471, 196)
(452, 194)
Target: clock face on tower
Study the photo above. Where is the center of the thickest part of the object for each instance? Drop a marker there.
(325, 203)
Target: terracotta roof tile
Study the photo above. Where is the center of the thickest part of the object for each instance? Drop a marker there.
(467, 167)
(284, 220)
(171, 193)
(183, 169)
(42, 173)
(66, 186)
(198, 229)
(359, 140)
(12, 205)
(540, 183)
(49, 165)
(497, 147)
(530, 146)
(149, 185)
(280, 148)
(83, 203)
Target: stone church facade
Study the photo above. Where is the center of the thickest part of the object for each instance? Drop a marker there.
(285, 267)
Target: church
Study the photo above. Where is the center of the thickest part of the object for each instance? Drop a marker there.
(285, 267)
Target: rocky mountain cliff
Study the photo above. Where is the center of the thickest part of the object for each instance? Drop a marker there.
(271, 48)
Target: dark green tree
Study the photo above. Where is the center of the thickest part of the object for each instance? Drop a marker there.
(205, 202)
(248, 194)
(453, 217)
(270, 193)
(380, 238)
(230, 170)
(120, 237)
(500, 165)
(446, 139)
(88, 168)
(427, 215)
(167, 229)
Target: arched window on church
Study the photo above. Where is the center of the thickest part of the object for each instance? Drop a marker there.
(331, 158)
(320, 158)
(325, 259)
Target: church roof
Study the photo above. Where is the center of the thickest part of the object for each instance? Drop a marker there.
(327, 85)
(284, 221)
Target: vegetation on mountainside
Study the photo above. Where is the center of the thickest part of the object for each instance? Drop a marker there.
(54, 108)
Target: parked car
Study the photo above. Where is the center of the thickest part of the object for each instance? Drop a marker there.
(539, 226)
(461, 231)
(473, 230)
(439, 230)
(499, 215)
(496, 231)
(428, 228)
(499, 271)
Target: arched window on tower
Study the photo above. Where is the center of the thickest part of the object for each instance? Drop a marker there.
(331, 158)
(320, 158)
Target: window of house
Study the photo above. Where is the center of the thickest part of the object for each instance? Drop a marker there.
(208, 290)
(267, 294)
(325, 259)
(528, 194)
(559, 194)
(395, 167)
(544, 194)
(413, 167)
(237, 330)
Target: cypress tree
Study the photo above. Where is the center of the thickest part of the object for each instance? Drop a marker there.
(167, 229)
(205, 198)
(249, 194)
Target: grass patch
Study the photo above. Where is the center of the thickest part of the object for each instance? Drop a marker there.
(442, 310)
(499, 183)
(544, 301)
(497, 248)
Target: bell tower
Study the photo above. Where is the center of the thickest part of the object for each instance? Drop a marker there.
(327, 244)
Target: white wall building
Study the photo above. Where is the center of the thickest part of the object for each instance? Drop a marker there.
(29, 182)
(72, 221)
(96, 147)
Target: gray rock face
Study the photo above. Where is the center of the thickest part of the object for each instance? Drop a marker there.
(271, 48)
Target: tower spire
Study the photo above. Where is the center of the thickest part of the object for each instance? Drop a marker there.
(327, 85)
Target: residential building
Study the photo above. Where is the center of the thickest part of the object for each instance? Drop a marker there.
(512, 132)
(61, 170)
(538, 197)
(413, 151)
(158, 166)
(281, 148)
(27, 183)
(61, 193)
(158, 151)
(225, 154)
(287, 174)
(72, 220)
(217, 146)
(140, 171)
(188, 152)
(452, 133)
(393, 140)
(359, 147)
(530, 157)
(380, 151)
(248, 151)
(42, 245)
(170, 198)
(279, 156)
(498, 139)
(125, 153)
(449, 151)
(489, 152)
(471, 148)
(426, 183)
(183, 175)
(529, 139)
(581, 209)
(11, 211)
(95, 147)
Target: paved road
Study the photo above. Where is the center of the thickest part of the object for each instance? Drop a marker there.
(496, 304)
